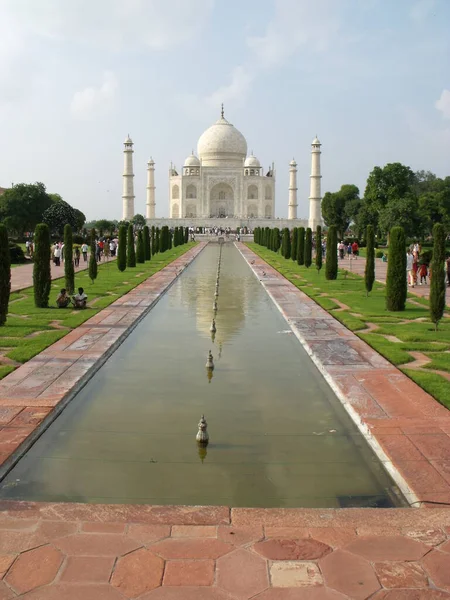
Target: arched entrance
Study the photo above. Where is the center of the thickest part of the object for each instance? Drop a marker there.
(221, 201)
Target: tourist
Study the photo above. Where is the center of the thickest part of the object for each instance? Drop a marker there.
(355, 249)
(447, 262)
(57, 255)
(61, 247)
(349, 249)
(27, 246)
(423, 272)
(415, 268)
(79, 300)
(98, 251)
(409, 268)
(62, 300)
(84, 251)
(77, 256)
(112, 248)
(341, 249)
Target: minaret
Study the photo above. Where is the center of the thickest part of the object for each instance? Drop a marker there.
(128, 181)
(150, 214)
(315, 198)
(292, 190)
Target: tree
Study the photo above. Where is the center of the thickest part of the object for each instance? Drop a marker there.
(175, 237)
(93, 268)
(186, 235)
(437, 284)
(69, 272)
(369, 271)
(139, 221)
(42, 278)
(147, 247)
(164, 239)
(122, 251)
(5, 274)
(157, 240)
(131, 253)
(22, 206)
(396, 287)
(338, 207)
(294, 243)
(318, 248)
(276, 239)
(58, 215)
(105, 225)
(308, 247)
(301, 246)
(80, 219)
(140, 251)
(286, 243)
(401, 212)
(331, 263)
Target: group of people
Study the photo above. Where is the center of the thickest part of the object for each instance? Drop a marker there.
(416, 268)
(77, 300)
(351, 249)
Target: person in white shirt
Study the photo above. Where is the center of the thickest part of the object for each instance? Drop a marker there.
(57, 255)
(79, 300)
(409, 268)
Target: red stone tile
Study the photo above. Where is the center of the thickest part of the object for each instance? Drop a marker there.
(312, 593)
(6, 560)
(333, 536)
(401, 575)
(187, 593)
(290, 533)
(422, 476)
(295, 573)
(431, 537)
(69, 591)
(7, 414)
(253, 577)
(83, 569)
(30, 416)
(437, 564)
(148, 534)
(442, 467)
(399, 448)
(17, 524)
(408, 594)
(433, 446)
(5, 592)
(103, 527)
(96, 544)
(12, 437)
(306, 549)
(445, 547)
(240, 536)
(34, 568)
(190, 531)
(137, 573)
(191, 548)
(349, 574)
(189, 573)
(388, 548)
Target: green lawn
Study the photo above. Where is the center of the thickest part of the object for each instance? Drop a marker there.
(409, 331)
(29, 330)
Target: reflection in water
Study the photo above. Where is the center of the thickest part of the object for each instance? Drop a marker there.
(279, 436)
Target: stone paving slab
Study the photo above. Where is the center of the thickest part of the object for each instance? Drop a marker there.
(385, 404)
(53, 376)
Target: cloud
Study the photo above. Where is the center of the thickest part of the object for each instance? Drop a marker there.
(443, 104)
(92, 101)
(421, 9)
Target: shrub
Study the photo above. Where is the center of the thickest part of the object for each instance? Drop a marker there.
(331, 264)
(69, 272)
(369, 271)
(140, 251)
(437, 284)
(131, 252)
(379, 253)
(294, 243)
(301, 246)
(122, 251)
(93, 268)
(308, 248)
(147, 247)
(42, 278)
(396, 287)
(16, 255)
(318, 248)
(5, 274)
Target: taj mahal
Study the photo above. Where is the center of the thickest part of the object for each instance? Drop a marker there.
(222, 182)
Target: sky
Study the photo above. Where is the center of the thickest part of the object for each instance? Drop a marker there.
(370, 77)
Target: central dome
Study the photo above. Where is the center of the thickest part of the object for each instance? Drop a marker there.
(222, 144)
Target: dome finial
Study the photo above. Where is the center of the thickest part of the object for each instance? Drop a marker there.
(222, 112)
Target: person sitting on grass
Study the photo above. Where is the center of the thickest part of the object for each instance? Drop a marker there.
(79, 300)
(63, 300)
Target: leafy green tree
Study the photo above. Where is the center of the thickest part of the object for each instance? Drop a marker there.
(105, 225)
(80, 219)
(301, 246)
(69, 271)
(318, 248)
(140, 250)
(131, 252)
(5, 274)
(93, 268)
(122, 250)
(401, 212)
(308, 248)
(396, 286)
(339, 207)
(331, 264)
(22, 206)
(294, 243)
(42, 278)
(369, 271)
(437, 284)
(138, 221)
(147, 247)
(58, 215)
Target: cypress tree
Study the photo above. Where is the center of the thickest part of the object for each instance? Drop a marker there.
(169, 240)
(396, 286)
(164, 239)
(369, 271)
(140, 250)
(331, 264)
(5, 274)
(267, 238)
(42, 278)
(153, 240)
(308, 247)
(131, 252)
(186, 235)
(318, 248)
(157, 240)
(93, 268)
(437, 284)
(69, 271)
(276, 239)
(147, 248)
(294, 243)
(122, 251)
(286, 244)
(175, 237)
(301, 246)
(273, 239)
(256, 235)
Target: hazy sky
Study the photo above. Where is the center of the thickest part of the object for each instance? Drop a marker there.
(370, 77)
